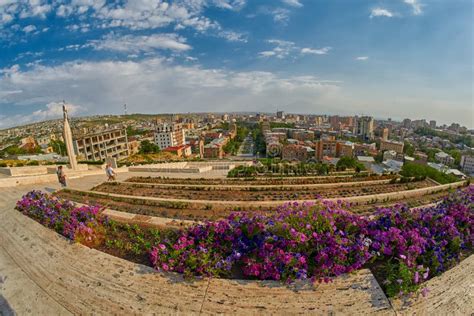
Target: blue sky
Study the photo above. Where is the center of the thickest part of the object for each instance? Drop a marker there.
(397, 58)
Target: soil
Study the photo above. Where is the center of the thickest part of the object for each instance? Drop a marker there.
(255, 194)
(260, 181)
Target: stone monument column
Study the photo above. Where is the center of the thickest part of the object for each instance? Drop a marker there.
(68, 140)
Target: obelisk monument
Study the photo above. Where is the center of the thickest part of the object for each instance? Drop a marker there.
(68, 140)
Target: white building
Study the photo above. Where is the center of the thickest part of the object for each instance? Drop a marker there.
(444, 158)
(467, 164)
(169, 135)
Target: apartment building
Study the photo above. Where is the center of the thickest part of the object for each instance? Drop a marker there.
(169, 135)
(467, 164)
(365, 127)
(215, 148)
(294, 152)
(333, 148)
(392, 145)
(444, 158)
(103, 144)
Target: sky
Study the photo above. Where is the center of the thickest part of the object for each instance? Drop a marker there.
(385, 58)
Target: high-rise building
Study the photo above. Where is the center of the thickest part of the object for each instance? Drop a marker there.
(169, 135)
(433, 124)
(280, 114)
(365, 127)
(385, 134)
(406, 123)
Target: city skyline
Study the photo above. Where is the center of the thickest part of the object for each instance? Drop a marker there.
(398, 59)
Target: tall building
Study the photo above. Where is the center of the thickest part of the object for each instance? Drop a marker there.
(365, 127)
(433, 124)
(385, 134)
(280, 115)
(103, 144)
(169, 135)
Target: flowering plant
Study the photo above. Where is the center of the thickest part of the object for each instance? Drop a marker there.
(320, 241)
(82, 224)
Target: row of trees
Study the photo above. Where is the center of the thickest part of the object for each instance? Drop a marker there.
(419, 171)
(233, 145)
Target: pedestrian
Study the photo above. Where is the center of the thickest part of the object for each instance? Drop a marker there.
(109, 171)
(61, 176)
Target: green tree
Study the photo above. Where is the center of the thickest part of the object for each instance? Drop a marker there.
(147, 147)
(409, 149)
(421, 171)
(349, 163)
(59, 147)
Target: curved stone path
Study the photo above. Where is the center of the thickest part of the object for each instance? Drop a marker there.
(41, 273)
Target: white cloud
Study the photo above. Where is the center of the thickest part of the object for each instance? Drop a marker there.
(136, 44)
(416, 6)
(284, 49)
(52, 110)
(232, 36)
(230, 4)
(131, 14)
(362, 58)
(293, 3)
(320, 51)
(380, 12)
(29, 29)
(155, 85)
(281, 15)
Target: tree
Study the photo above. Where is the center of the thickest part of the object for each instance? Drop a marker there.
(59, 147)
(421, 171)
(147, 147)
(409, 149)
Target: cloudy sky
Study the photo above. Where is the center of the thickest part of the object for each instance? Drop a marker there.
(386, 58)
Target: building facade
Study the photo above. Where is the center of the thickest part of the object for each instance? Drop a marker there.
(444, 158)
(169, 135)
(365, 127)
(294, 152)
(392, 145)
(100, 145)
(214, 150)
(467, 164)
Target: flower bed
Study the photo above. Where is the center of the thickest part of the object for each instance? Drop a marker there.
(254, 194)
(402, 247)
(262, 181)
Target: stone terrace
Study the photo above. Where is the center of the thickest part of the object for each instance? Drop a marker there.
(41, 273)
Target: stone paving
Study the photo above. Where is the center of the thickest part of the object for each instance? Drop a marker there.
(41, 273)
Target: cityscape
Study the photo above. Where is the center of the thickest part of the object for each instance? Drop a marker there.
(236, 157)
(380, 145)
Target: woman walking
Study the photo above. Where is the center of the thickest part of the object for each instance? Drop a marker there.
(61, 176)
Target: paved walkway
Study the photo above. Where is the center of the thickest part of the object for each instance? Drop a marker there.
(42, 273)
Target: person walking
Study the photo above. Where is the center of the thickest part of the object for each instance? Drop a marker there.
(109, 171)
(61, 176)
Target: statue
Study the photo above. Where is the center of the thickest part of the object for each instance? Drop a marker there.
(68, 140)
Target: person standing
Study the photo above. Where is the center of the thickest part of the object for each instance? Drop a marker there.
(109, 171)
(61, 176)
